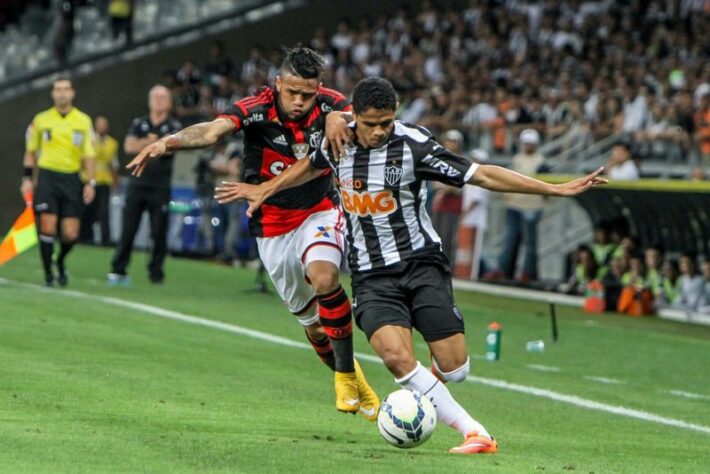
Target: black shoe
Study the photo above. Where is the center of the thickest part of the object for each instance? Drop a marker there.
(63, 278)
(49, 281)
(156, 278)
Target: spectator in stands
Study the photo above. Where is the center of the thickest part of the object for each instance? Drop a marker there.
(691, 284)
(636, 274)
(653, 259)
(602, 247)
(65, 33)
(121, 14)
(585, 271)
(622, 166)
(106, 181)
(218, 68)
(446, 205)
(670, 286)
(613, 282)
(472, 225)
(703, 304)
(523, 213)
(702, 125)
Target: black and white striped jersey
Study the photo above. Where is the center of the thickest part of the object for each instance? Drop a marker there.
(383, 194)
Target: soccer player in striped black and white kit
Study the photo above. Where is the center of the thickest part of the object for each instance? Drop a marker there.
(401, 278)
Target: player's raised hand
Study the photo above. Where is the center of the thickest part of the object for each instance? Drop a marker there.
(229, 192)
(337, 134)
(580, 185)
(151, 152)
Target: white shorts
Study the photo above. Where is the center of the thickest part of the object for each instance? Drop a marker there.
(318, 238)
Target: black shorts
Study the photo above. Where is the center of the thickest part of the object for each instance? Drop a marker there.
(59, 193)
(414, 294)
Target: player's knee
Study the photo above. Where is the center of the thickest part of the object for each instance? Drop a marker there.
(325, 280)
(456, 374)
(70, 235)
(398, 361)
(315, 332)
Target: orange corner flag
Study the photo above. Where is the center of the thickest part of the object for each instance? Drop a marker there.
(22, 236)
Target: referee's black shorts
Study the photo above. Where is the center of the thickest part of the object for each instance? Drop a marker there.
(413, 294)
(59, 193)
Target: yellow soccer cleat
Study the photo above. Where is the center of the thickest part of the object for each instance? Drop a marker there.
(347, 396)
(369, 401)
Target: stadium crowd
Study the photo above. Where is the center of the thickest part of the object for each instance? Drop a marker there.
(580, 70)
(616, 274)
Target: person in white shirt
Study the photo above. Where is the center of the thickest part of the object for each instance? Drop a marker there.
(621, 165)
(523, 213)
(691, 284)
(472, 225)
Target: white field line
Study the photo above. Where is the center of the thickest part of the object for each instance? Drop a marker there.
(502, 384)
(690, 395)
(543, 368)
(605, 380)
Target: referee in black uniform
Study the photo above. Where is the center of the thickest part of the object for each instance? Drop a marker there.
(149, 192)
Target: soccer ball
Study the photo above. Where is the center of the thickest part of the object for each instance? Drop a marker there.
(406, 418)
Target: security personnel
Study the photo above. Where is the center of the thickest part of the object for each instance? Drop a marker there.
(106, 179)
(59, 140)
(149, 192)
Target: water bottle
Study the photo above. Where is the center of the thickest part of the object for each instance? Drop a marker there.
(493, 341)
(535, 346)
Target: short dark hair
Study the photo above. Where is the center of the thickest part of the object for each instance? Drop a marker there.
(63, 78)
(374, 93)
(303, 62)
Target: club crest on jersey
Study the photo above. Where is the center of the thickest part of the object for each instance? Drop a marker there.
(368, 204)
(315, 139)
(300, 150)
(392, 175)
(323, 231)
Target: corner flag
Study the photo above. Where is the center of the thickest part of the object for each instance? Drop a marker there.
(22, 236)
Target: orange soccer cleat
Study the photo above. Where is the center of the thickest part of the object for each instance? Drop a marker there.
(474, 444)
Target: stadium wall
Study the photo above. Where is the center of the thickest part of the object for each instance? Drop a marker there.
(120, 91)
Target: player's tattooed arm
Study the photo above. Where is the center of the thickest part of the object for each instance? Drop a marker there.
(199, 135)
(337, 132)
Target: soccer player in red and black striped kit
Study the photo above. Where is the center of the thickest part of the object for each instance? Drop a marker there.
(299, 231)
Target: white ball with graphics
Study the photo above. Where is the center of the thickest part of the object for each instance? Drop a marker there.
(406, 418)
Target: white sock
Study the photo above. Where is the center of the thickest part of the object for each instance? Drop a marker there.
(448, 411)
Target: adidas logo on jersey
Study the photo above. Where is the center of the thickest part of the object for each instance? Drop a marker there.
(281, 140)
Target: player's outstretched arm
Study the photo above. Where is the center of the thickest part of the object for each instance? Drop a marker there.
(200, 135)
(500, 179)
(295, 175)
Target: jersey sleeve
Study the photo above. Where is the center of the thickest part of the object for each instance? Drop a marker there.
(135, 129)
(319, 158)
(433, 162)
(32, 137)
(238, 113)
(334, 100)
(88, 150)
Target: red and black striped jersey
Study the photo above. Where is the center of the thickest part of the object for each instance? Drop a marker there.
(271, 144)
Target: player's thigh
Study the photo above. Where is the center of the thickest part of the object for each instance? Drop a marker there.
(282, 263)
(320, 238)
(434, 311)
(377, 302)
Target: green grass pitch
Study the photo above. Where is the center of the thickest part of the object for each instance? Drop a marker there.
(87, 385)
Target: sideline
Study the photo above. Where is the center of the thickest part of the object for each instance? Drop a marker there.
(502, 384)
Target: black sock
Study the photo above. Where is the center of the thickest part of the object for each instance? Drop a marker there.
(324, 350)
(46, 248)
(336, 318)
(63, 251)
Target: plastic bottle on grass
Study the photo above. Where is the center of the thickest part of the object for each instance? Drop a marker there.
(493, 341)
